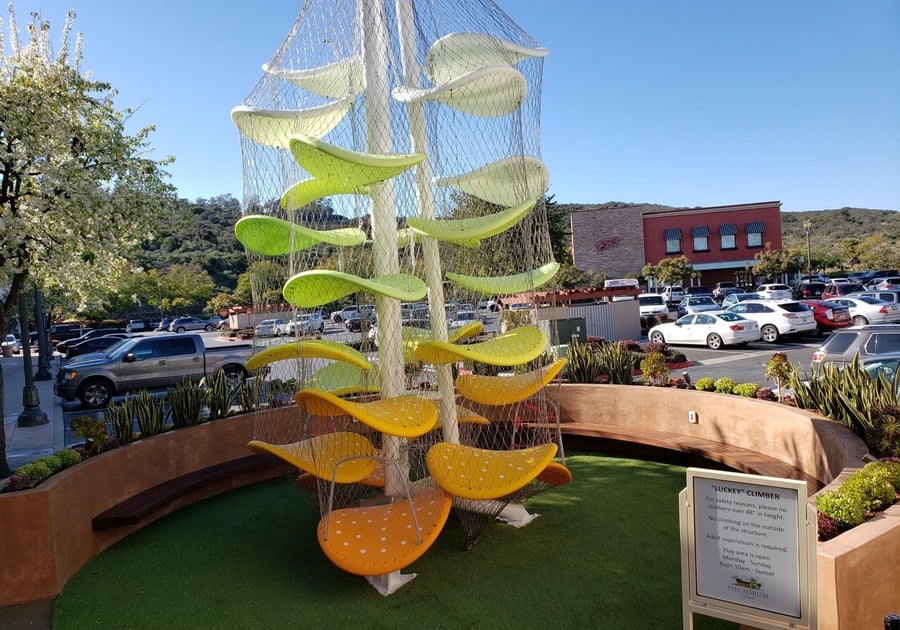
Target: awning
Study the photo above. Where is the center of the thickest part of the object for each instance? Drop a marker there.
(756, 227)
(728, 229)
(699, 230)
(672, 234)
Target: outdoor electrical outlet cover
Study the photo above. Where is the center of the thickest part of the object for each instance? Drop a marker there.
(692, 416)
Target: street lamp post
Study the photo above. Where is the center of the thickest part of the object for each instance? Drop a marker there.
(40, 325)
(32, 415)
(807, 225)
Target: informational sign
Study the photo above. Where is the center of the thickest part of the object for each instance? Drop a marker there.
(748, 549)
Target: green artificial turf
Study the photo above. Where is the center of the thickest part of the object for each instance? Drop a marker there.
(603, 554)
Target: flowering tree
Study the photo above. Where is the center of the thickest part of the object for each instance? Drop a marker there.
(76, 191)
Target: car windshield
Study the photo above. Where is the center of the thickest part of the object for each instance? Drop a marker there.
(650, 300)
(794, 307)
(870, 300)
(700, 301)
(111, 351)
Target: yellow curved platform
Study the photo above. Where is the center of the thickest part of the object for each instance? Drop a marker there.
(379, 539)
(476, 473)
(555, 474)
(274, 127)
(469, 232)
(309, 349)
(413, 336)
(272, 236)
(344, 379)
(464, 415)
(518, 346)
(316, 287)
(403, 416)
(507, 182)
(506, 390)
(334, 80)
(490, 92)
(503, 285)
(319, 455)
(457, 53)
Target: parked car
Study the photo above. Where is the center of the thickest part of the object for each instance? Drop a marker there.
(673, 294)
(828, 315)
(306, 324)
(777, 318)
(698, 290)
(11, 345)
(717, 290)
(271, 328)
(886, 365)
(488, 305)
(186, 324)
(463, 318)
(713, 329)
(360, 321)
(873, 276)
(63, 332)
(697, 304)
(866, 341)
(149, 362)
(775, 291)
(809, 290)
(886, 295)
(734, 298)
(891, 282)
(63, 346)
(840, 289)
(653, 309)
(725, 292)
(94, 344)
(869, 310)
(164, 324)
(135, 325)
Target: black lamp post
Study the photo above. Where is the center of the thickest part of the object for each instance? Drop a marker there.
(32, 415)
(40, 325)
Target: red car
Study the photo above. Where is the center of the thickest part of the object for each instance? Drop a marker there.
(828, 315)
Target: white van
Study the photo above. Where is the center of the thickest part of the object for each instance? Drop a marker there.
(673, 294)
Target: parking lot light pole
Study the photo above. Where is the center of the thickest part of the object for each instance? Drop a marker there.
(32, 415)
(807, 225)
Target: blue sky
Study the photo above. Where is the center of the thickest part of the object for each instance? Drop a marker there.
(693, 103)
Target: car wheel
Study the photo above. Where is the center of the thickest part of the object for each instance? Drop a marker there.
(208, 327)
(234, 377)
(769, 333)
(859, 320)
(657, 337)
(338, 319)
(714, 341)
(180, 329)
(95, 393)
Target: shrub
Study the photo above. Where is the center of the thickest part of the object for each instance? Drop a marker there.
(150, 413)
(747, 390)
(93, 431)
(652, 347)
(583, 363)
(724, 385)
(874, 490)
(676, 356)
(68, 457)
(53, 462)
(185, 404)
(778, 369)
(654, 370)
(36, 472)
(846, 510)
(617, 362)
(705, 384)
(766, 393)
(120, 419)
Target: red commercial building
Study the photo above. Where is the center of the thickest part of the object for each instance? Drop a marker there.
(720, 241)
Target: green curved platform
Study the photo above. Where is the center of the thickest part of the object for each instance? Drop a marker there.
(274, 127)
(490, 92)
(403, 416)
(336, 170)
(345, 379)
(469, 232)
(507, 182)
(516, 347)
(334, 80)
(272, 236)
(503, 285)
(458, 53)
(316, 287)
(309, 349)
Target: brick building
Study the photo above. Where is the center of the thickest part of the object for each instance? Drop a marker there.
(719, 241)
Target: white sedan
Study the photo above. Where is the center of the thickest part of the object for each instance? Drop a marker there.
(713, 329)
(11, 345)
(777, 318)
(869, 310)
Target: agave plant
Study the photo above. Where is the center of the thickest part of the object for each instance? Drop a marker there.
(617, 362)
(149, 411)
(185, 404)
(120, 420)
(584, 365)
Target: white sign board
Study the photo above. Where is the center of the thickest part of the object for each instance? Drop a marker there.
(748, 549)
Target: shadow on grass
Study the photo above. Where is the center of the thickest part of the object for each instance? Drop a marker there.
(604, 554)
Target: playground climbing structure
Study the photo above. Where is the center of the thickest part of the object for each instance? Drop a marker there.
(391, 157)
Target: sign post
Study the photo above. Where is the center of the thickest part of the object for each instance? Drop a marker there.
(748, 550)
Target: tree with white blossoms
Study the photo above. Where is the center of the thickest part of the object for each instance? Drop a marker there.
(77, 192)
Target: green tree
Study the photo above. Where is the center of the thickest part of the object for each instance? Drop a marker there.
(77, 193)
(670, 270)
(774, 263)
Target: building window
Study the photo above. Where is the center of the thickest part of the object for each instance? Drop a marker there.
(673, 240)
(728, 235)
(700, 234)
(755, 231)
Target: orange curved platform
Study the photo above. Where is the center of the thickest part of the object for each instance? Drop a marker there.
(379, 539)
(403, 416)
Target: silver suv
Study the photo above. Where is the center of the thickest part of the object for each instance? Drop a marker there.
(866, 341)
